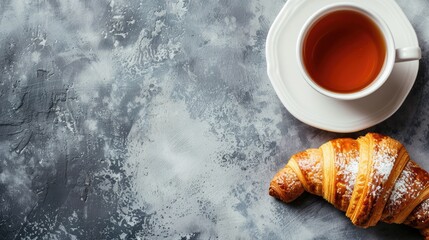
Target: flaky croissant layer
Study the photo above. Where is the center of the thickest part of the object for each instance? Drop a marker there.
(371, 178)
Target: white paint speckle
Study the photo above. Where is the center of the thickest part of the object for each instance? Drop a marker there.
(179, 8)
(35, 57)
(91, 125)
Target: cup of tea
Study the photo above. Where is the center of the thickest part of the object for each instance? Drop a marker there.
(347, 52)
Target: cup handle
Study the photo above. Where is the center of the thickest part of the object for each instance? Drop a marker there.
(408, 54)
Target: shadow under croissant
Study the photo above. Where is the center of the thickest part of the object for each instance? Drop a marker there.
(319, 211)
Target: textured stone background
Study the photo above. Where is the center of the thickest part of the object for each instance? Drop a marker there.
(151, 119)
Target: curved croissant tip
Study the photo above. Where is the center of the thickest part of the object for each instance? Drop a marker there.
(272, 192)
(285, 185)
(276, 192)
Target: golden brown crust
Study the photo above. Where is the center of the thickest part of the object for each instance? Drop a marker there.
(395, 152)
(419, 217)
(371, 178)
(384, 154)
(360, 179)
(328, 172)
(408, 187)
(310, 166)
(303, 171)
(346, 161)
(285, 185)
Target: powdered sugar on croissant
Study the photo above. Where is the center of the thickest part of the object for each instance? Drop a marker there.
(371, 178)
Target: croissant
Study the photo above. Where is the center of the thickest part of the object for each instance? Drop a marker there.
(371, 179)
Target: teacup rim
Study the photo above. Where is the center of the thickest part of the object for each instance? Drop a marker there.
(388, 63)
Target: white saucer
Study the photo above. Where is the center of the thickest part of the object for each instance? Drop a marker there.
(317, 110)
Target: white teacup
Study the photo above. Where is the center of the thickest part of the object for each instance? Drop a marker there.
(392, 54)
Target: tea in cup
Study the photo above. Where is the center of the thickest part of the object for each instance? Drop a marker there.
(347, 52)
